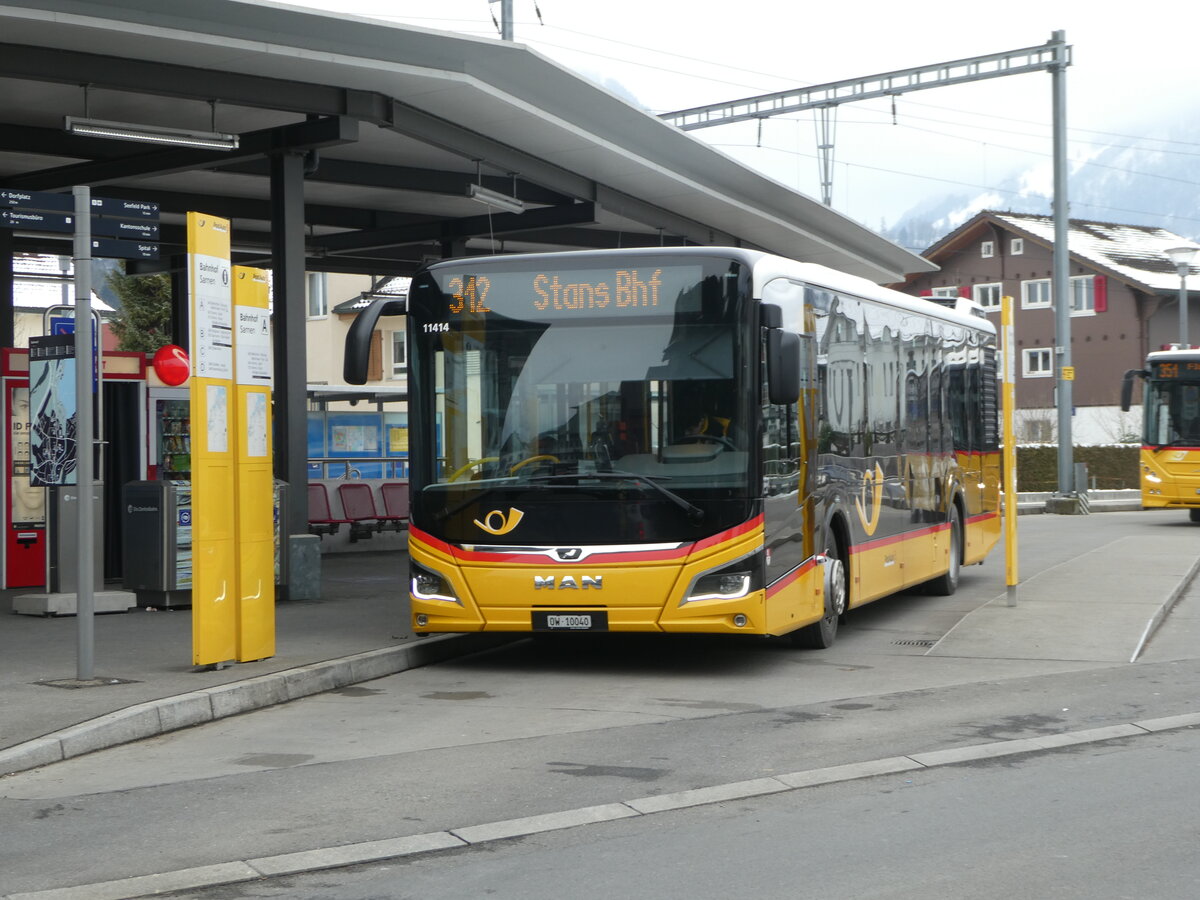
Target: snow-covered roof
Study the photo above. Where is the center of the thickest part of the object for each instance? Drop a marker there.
(44, 265)
(1134, 252)
(38, 282)
(395, 287)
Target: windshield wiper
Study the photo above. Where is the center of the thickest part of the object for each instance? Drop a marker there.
(1175, 442)
(480, 495)
(694, 512)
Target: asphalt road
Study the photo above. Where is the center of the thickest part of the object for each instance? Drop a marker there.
(531, 729)
(1098, 823)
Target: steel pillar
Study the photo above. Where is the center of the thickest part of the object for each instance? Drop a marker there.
(7, 315)
(181, 308)
(1061, 270)
(291, 377)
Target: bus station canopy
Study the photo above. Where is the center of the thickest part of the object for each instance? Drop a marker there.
(394, 123)
(359, 143)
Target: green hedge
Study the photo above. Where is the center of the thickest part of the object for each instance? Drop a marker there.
(1111, 467)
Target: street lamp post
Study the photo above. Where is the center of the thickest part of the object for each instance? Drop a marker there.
(1182, 258)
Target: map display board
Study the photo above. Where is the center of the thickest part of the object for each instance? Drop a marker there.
(52, 414)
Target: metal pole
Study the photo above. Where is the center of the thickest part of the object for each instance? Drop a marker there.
(85, 561)
(1183, 305)
(506, 20)
(1062, 258)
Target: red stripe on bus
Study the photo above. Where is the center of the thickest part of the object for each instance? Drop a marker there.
(897, 538)
(728, 535)
(648, 556)
(426, 538)
(541, 559)
(920, 532)
(791, 577)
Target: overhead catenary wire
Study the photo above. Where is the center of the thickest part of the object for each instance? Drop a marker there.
(952, 181)
(537, 38)
(552, 36)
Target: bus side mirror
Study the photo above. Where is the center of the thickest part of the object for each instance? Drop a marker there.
(1127, 388)
(783, 366)
(358, 338)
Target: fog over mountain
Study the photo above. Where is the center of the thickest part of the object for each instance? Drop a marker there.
(1131, 181)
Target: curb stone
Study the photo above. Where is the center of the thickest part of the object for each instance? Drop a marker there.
(156, 717)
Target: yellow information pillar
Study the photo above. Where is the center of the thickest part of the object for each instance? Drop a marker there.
(1008, 407)
(253, 471)
(214, 588)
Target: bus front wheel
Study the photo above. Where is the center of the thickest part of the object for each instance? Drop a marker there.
(821, 634)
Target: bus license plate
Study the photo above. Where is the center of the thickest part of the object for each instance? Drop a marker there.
(565, 620)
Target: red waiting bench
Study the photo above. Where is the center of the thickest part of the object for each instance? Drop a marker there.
(320, 517)
(358, 505)
(395, 503)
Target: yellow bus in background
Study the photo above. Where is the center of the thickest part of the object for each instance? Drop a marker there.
(1170, 457)
(701, 440)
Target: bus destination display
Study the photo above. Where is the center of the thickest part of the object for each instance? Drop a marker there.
(540, 294)
(1177, 370)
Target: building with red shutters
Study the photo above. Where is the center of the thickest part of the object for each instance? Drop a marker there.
(1124, 296)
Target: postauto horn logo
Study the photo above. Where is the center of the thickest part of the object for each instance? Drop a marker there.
(496, 522)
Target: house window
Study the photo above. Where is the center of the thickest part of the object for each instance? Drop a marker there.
(1016, 247)
(987, 249)
(1037, 294)
(375, 359)
(987, 295)
(1038, 430)
(318, 294)
(1037, 362)
(945, 292)
(1083, 295)
(399, 360)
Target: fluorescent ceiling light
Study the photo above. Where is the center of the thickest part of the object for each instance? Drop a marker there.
(150, 134)
(494, 198)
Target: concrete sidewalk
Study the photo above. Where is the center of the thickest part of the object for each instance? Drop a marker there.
(147, 685)
(1102, 605)
(1099, 605)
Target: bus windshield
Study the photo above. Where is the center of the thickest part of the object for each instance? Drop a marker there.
(593, 400)
(1173, 413)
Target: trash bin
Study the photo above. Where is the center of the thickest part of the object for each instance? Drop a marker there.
(157, 552)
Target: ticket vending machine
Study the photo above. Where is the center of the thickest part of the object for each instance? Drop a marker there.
(23, 550)
(24, 546)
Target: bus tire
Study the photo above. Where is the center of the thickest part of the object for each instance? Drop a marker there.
(820, 634)
(1194, 515)
(947, 583)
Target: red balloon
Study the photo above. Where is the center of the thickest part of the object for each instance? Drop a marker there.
(171, 364)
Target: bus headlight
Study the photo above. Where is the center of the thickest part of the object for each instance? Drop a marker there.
(1151, 477)
(426, 584)
(732, 582)
(729, 586)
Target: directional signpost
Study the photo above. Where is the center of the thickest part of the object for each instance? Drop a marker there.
(121, 229)
(100, 227)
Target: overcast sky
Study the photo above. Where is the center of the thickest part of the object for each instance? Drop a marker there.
(1134, 73)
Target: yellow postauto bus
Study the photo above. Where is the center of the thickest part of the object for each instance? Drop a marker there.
(703, 440)
(1170, 457)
